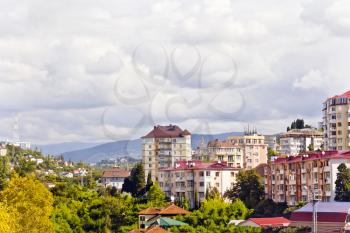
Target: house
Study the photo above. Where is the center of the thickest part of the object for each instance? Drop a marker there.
(331, 216)
(66, 174)
(155, 216)
(266, 222)
(3, 150)
(155, 229)
(114, 177)
(80, 172)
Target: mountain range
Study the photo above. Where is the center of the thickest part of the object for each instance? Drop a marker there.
(94, 152)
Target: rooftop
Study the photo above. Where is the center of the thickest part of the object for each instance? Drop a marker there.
(199, 165)
(276, 221)
(344, 95)
(169, 210)
(302, 133)
(115, 173)
(169, 131)
(307, 156)
(218, 143)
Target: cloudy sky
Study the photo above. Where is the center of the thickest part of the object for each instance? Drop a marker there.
(95, 71)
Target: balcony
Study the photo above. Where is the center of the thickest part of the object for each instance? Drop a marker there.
(303, 170)
(327, 169)
(304, 192)
(315, 169)
(327, 193)
(327, 180)
(292, 192)
(291, 182)
(303, 181)
(273, 182)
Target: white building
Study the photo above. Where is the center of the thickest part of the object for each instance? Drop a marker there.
(163, 146)
(226, 151)
(193, 179)
(296, 141)
(114, 177)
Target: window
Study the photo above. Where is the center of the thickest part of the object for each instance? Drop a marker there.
(201, 184)
(149, 165)
(217, 174)
(339, 124)
(207, 173)
(201, 173)
(142, 218)
(150, 159)
(232, 174)
(217, 185)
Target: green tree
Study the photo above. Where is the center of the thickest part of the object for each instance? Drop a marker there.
(248, 188)
(32, 201)
(156, 196)
(342, 184)
(135, 183)
(8, 223)
(4, 171)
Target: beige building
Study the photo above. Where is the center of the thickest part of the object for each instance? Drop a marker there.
(225, 151)
(336, 122)
(163, 146)
(193, 179)
(293, 179)
(254, 149)
(296, 141)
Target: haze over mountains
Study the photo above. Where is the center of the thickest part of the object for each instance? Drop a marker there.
(94, 152)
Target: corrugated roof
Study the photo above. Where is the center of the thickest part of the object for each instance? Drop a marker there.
(327, 207)
(314, 156)
(166, 222)
(270, 221)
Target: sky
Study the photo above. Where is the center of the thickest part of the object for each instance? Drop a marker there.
(96, 71)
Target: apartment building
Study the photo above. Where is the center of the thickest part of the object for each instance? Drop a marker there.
(254, 149)
(293, 179)
(272, 142)
(192, 179)
(225, 151)
(296, 141)
(163, 146)
(336, 122)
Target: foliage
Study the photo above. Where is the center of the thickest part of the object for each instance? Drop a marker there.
(342, 184)
(214, 228)
(32, 202)
(8, 222)
(4, 171)
(248, 188)
(212, 193)
(215, 214)
(156, 196)
(135, 183)
(271, 153)
(268, 208)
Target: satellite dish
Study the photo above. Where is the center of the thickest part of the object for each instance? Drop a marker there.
(172, 198)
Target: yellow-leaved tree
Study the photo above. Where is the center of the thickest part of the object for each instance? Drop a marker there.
(7, 220)
(31, 204)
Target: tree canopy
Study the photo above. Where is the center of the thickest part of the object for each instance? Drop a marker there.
(342, 184)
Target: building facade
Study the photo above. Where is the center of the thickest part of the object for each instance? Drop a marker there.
(114, 177)
(163, 146)
(296, 141)
(225, 151)
(295, 178)
(254, 149)
(192, 179)
(336, 122)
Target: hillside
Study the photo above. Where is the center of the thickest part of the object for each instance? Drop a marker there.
(130, 148)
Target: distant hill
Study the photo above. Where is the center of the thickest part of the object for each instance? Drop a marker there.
(123, 148)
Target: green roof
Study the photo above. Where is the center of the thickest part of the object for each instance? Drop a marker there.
(165, 222)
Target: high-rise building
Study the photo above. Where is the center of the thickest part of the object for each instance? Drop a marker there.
(254, 149)
(336, 122)
(295, 178)
(296, 141)
(163, 146)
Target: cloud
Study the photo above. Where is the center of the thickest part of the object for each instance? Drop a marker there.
(107, 70)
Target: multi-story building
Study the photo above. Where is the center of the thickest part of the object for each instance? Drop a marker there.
(254, 149)
(192, 179)
(163, 146)
(225, 151)
(336, 122)
(201, 152)
(296, 141)
(295, 178)
(272, 142)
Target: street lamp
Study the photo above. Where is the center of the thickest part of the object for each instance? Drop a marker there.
(314, 209)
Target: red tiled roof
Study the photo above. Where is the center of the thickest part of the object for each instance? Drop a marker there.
(173, 210)
(169, 210)
(115, 172)
(169, 131)
(150, 211)
(314, 156)
(198, 165)
(155, 229)
(276, 221)
(344, 95)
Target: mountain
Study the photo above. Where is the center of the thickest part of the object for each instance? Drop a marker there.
(57, 149)
(131, 148)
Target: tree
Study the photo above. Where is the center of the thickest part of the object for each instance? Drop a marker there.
(342, 184)
(4, 171)
(311, 147)
(212, 193)
(135, 183)
(156, 196)
(32, 201)
(248, 188)
(8, 222)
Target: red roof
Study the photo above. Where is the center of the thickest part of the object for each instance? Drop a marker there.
(276, 221)
(169, 210)
(314, 156)
(115, 173)
(198, 165)
(344, 95)
(169, 131)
